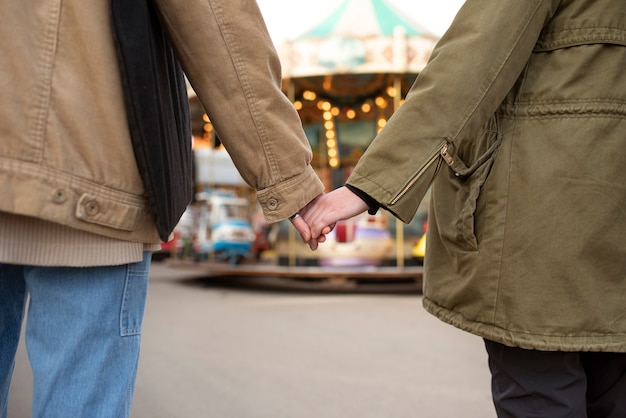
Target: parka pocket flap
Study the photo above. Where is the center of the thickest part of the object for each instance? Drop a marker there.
(460, 168)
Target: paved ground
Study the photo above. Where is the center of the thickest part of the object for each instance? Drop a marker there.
(237, 349)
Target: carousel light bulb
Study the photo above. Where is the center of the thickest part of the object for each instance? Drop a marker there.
(297, 104)
(331, 143)
(334, 111)
(382, 122)
(309, 95)
(330, 134)
(381, 102)
(366, 107)
(329, 124)
(332, 152)
(326, 105)
(327, 116)
(205, 118)
(350, 114)
(391, 91)
(333, 162)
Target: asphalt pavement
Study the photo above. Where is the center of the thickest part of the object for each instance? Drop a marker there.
(234, 348)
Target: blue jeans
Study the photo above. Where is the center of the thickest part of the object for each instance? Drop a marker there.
(82, 336)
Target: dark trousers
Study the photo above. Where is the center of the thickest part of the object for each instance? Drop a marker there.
(555, 384)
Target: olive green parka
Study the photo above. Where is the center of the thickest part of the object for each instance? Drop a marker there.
(526, 243)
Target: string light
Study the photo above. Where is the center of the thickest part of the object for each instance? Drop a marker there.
(381, 123)
(375, 109)
(309, 95)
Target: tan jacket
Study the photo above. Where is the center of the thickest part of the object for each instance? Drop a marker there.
(65, 151)
(525, 246)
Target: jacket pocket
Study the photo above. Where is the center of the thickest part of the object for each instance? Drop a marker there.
(469, 164)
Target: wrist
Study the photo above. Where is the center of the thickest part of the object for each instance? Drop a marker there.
(371, 203)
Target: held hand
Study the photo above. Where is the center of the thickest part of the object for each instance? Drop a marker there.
(301, 226)
(305, 233)
(322, 213)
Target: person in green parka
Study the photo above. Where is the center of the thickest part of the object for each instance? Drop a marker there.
(526, 244)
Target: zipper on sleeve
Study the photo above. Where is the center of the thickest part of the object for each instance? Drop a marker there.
(435, 158)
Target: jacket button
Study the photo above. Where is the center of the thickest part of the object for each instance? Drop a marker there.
(59, 196)
(272, 204)
(91, 208)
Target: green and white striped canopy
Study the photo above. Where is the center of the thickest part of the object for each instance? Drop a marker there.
(363, 19)
(359, 37)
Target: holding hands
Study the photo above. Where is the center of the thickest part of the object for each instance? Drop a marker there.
(319, 216)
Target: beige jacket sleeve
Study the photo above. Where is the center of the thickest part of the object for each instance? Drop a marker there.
(471, 70)
(230, 60)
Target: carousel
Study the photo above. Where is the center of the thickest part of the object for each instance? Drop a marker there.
(345, 76)
(348, 74)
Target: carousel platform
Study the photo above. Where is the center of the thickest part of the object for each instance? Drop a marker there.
(374, 278)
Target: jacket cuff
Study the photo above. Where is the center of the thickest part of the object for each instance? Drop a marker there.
(369, 200)
(283, 199)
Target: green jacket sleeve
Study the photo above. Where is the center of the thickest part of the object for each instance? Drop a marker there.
(471, 70)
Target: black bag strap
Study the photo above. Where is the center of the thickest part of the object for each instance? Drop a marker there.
(157, 108)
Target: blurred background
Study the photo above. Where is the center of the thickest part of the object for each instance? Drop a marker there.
(347, 66)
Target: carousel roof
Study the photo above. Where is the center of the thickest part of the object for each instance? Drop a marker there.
(359, 37)
(362, 19)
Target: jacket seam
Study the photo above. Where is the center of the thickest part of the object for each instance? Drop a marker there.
(61, 179)
(504, 230)
(42, 104)
(250, 95)
(563, 38)
(511, 331)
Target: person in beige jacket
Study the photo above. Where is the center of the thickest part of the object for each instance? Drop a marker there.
(76, 224)
(525, 242)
